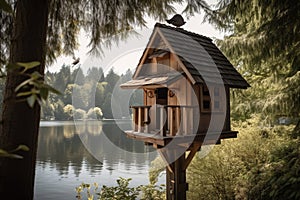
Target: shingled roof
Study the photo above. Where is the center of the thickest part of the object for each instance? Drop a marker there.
(201, 58)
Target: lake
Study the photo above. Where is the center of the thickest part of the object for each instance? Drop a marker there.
(70, 153)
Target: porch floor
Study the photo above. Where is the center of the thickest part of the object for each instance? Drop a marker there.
(158, 140)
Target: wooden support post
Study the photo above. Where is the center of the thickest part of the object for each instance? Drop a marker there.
(190, 120)
(176, 185)
(140, 120)
(177, 121)
(162, 126)
(176, 181)
(181, 186)
(166, 158)
(194, 149)
(161, 123)
(146, 120)
(134, 119)
(171, 121)
(185, 121)
(170, 181)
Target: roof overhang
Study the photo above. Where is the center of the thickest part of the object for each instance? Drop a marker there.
(152, 82)
(200, 60)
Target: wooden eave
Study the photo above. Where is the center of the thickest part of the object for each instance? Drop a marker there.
(160, 81)
(148, 48)
(145, 53)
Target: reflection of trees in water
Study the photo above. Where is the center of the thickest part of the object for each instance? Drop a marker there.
(113, 147)
(62, 148)
(69, 131)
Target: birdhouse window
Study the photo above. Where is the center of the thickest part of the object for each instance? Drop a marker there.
(206, 100)
(217, 99)
(216, 92)
(216, 104)
(211, 100)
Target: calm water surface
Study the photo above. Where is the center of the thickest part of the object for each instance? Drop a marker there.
(93, 151)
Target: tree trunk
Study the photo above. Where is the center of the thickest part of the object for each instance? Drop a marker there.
(20, 123)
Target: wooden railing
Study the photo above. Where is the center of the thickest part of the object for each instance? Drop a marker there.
(140, 118)
(168, 120)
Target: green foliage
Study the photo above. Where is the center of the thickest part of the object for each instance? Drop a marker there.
(95, 113)
(263, 43)
(86, 187)
(59, 113)
(89, 92)
(262, 163)
(153, 192)
(5, 6)
(157, 166)
(79, 114)
(12, 154)
(282, 172)
(121, 191)
(33, 88)
(107, 110)
(69, 110)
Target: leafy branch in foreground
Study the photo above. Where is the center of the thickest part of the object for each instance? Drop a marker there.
(12, 154)
(5, 6)
(33, 88)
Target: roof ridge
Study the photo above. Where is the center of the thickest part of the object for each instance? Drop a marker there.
(182, 31)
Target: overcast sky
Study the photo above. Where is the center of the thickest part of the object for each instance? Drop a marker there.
(127, 54)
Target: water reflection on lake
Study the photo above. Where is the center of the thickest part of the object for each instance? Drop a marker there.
(63, 162)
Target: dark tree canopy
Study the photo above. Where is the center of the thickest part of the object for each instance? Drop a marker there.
(104, 22)
(263, 43)
(260, 30)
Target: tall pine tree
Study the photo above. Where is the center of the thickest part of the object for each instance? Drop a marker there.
(263, 42)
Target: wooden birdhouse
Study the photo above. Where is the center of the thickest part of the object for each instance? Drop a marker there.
(186, 81)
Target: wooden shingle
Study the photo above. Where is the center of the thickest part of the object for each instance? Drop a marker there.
(202, 57)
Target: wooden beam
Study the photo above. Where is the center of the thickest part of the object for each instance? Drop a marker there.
(140, 119)
(164, 155)
(134, 119)
(146, 120)
(180, 180)
(194, 149)
(169, 182)
(146, 137)
(162, 141)
(145, 54)
(177, 120)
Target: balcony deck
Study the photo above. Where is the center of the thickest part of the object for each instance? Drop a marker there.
(171, 127)
(157, 140)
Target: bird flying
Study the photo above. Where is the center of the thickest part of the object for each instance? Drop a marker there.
(75, 60)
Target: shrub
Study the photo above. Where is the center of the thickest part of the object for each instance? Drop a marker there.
(121, 191)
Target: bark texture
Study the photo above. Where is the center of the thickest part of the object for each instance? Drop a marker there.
(20, 123)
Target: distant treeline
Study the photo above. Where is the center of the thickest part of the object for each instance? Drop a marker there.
(85, 95)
